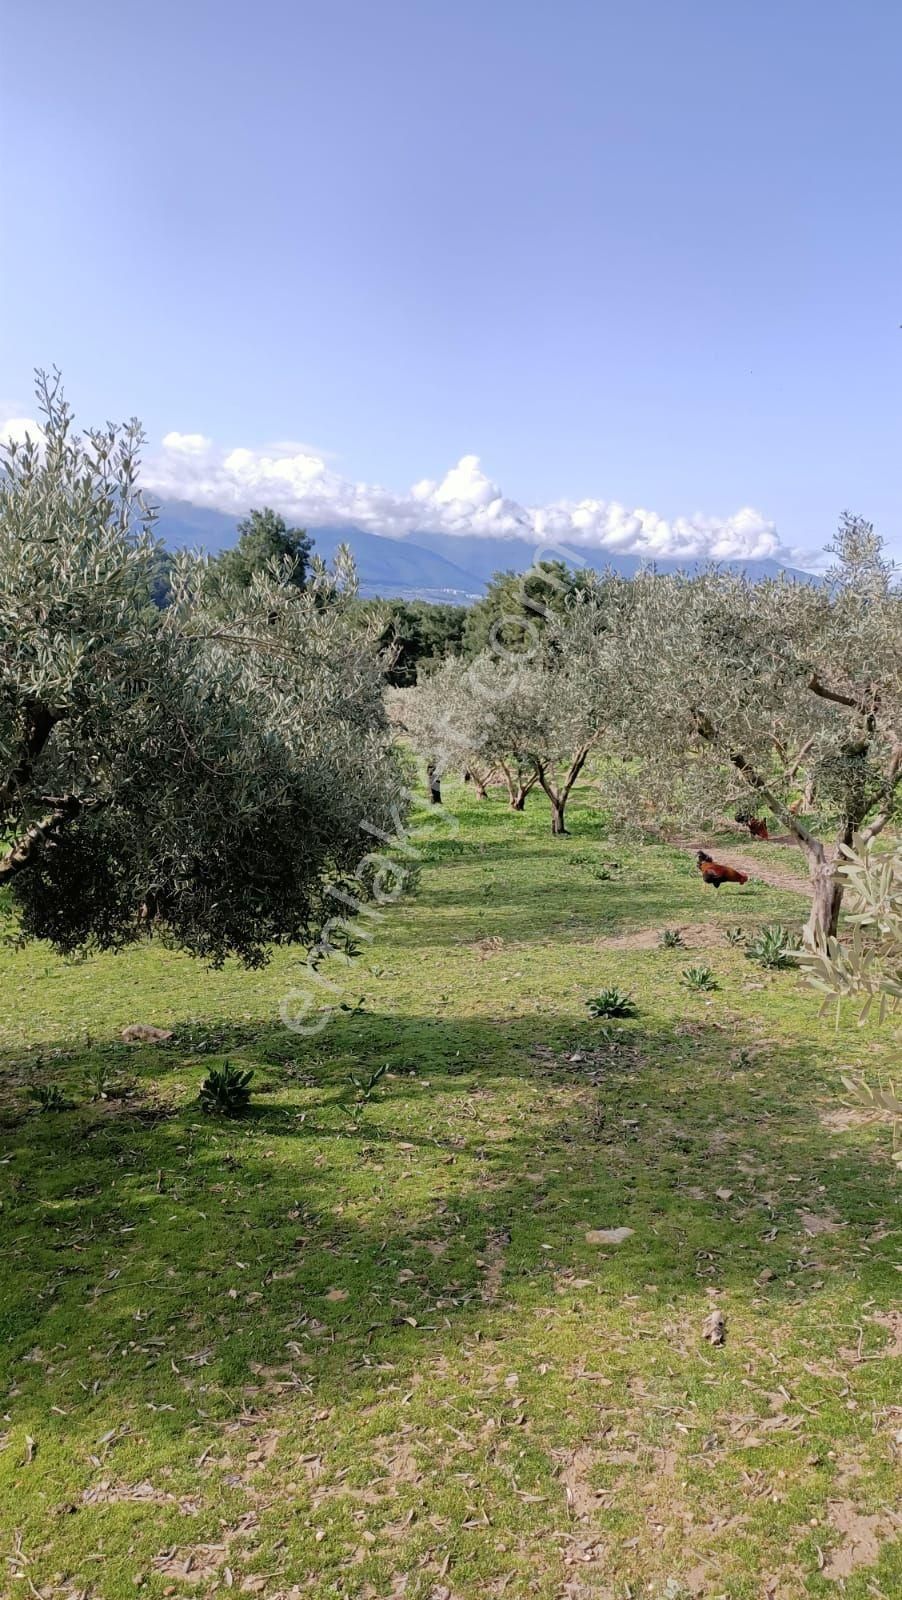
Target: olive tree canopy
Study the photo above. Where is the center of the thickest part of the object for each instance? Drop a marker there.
(207, 767)
(534, 711)
(747, 683)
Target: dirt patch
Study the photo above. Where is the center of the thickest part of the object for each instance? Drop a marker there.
(814, 1225)
(108, 1493)
(695, 936)
(575, 1475)
(492, 1261)
(862, 1537)
(892, 1322)
(841, 1118)
(757, 865)
(197, 1564)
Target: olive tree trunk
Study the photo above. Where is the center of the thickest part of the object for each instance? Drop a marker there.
(559, 794)
(518, 788)
(826, 897)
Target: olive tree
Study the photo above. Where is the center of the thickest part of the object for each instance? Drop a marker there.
(535, 712)
(750, 683)
(205, 769)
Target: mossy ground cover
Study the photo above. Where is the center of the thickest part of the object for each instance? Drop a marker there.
(379, 1346)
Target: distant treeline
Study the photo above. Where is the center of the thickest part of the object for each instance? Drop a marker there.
(418, 634)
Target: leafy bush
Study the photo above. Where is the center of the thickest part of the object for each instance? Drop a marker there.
(699, 978)
(773, 947)
(226, 1091)
(48, 1097)
(612, 1002)
(671, 939)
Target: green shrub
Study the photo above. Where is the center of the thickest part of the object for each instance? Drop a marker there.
(48, 1097)
(734, 935)
(225, 1091)
(774, 947)
(671, 939)
(699, 978)
(612, 1002)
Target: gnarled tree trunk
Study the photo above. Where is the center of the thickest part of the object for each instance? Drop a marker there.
(518, 788)
(826, 898)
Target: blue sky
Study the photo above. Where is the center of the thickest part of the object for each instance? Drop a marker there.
(642, 254)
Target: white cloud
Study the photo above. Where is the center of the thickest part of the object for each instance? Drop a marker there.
(187, 444)
(14, 430)
(300, 482)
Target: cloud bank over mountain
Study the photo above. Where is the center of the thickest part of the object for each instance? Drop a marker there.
(304, 486)
(301, 483)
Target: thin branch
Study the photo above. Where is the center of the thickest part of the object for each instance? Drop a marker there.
(823, 693)
(707, 731)
(893, 778)
(793, 768)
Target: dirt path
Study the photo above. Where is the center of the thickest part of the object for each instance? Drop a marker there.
(756, 863)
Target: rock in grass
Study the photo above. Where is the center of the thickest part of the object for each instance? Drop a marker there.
(608, 1235)
(714, 1327)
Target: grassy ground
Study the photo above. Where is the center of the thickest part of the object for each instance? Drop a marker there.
(353, 1347)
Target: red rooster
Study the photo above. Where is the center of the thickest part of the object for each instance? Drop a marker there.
(715, 873)
(758, 828)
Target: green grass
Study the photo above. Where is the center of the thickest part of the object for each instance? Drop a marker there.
(314, 1353)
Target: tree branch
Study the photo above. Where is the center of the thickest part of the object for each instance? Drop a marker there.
(823, 693)
(707, 731)
(893, 778)
(793, 768)
(576, 768)
(23, 852)
(39, 724)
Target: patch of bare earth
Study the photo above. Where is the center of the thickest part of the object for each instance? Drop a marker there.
(892, 1322)
(198, 1564)
(862, 1538)
(814, 1225)
(492, 1262)
(695, 936)
(756, 866)
(109, 1493)
(841, 1118)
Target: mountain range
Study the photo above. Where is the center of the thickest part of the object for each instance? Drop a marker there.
(453, 568)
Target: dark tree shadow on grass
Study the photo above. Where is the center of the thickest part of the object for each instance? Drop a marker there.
(120, 1231)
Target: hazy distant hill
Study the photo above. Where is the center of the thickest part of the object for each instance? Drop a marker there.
(426, 566)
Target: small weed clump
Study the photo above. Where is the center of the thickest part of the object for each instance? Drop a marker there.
(672, 939)
(225, 1092)
(774, 947)
(699, 978)
(734, 935)
(48, 1097)
(612, 1002)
